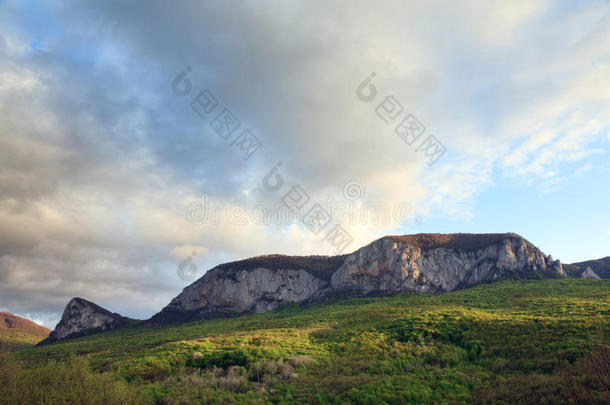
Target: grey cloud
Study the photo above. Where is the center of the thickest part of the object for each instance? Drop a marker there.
(98, 158)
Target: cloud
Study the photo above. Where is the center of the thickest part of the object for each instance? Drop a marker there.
(100, 160)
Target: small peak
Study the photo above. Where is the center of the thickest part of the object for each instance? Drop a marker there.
(81, 317)
(589, 273)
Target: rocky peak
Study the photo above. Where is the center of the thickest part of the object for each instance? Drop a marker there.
(82, 317)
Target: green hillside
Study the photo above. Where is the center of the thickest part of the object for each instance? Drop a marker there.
(16, 340)
(543, 341)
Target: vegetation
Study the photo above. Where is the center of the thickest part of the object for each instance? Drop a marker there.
(319, 266)
(17, 340)
(66, 382)
(542, 341)
(468, 242)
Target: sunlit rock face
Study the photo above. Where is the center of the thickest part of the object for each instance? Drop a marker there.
(422, 263)
(440, 263)
(82, 316)
(257, 290)
(254, 285)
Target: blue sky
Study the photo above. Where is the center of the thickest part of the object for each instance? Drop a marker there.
(102, 160)
(560, 221)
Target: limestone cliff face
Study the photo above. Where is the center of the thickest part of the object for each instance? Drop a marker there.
(228, 291)
(423, 263)
(441, 263)
(81, 316)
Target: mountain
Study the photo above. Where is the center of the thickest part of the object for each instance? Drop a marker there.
(430, 263)
(82, 317)
(17, 332)
(601, 267)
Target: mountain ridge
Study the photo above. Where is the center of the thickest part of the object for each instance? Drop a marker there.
(430, 263)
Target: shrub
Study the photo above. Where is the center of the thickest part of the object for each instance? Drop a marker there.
(271, 371)
(69, 382)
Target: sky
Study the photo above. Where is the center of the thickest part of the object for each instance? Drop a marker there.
(142, 146)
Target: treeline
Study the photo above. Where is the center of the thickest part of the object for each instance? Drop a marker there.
(319, 266)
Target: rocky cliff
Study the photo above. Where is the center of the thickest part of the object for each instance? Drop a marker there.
(441, 263)
(83, 317)
(259, 284)
(422, 262)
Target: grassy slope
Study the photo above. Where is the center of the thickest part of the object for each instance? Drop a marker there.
(516, 341)
(18, 340)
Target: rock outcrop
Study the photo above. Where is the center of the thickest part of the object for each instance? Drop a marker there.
(441, 263)
(601, 267)
(589, 273)
(82, 317)
(422, 262)
(254, 285)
